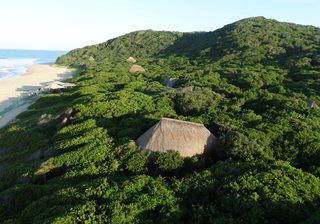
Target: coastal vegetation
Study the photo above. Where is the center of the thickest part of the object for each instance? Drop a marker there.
(250, 83)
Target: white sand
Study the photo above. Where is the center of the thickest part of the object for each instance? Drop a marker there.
(37, 76)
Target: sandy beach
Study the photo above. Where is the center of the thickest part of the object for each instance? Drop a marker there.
(37, 75)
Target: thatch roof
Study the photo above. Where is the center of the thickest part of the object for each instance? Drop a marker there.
(56, 85)
(91, 58)
(187, 138)
(53, 86)
(69, 85)
(131, 59)
(136, 68)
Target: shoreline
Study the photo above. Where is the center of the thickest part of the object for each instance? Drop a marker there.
(13, 91)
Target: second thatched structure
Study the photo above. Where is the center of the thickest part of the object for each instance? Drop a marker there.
(56, 87)
(136, 68)
(187, 138)
(131, 59)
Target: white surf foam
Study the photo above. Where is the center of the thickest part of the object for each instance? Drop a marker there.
(10, 68)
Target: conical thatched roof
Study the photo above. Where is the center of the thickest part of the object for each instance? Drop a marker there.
(185, 137)
(136, 68)
(131, 59)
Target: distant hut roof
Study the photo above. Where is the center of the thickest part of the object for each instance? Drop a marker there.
(69, 85)
(131, 59)
(58, 85)
(170, 82)
(53, 86)
(136, 68)
(187, 138)
(311, 104)
(91, 58)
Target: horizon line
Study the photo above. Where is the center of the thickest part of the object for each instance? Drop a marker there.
(29, 49)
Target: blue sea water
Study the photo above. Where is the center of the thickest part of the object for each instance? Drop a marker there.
(15, 62)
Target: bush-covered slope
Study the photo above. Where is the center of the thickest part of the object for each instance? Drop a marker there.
(254, 40)
(119, 49)
(254, 84)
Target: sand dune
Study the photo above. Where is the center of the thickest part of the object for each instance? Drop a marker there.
(37, 76)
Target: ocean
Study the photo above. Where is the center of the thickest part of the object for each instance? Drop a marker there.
(15, 62)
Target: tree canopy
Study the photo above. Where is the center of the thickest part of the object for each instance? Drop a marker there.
(249, 83)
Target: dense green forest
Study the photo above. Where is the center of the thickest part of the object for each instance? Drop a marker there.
(255, 84)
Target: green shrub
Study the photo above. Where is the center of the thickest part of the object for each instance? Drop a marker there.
(137, 163)
(169, 161)
(195, 102)
(237, 145)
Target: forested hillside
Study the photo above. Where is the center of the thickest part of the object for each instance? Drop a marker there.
(254, 84)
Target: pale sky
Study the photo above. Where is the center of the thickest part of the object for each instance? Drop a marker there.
(69, 24)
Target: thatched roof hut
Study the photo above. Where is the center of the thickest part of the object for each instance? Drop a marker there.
(91, 58)
(68, 85)
(57, 86)
(132, 60)
(136, 68)
(187, 138)
(53, 86)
